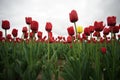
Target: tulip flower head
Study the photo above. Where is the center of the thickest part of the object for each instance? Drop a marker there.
(28, 20)
(34, 26)
(69, 39)
(87, 31)
(73, 16)
(5, 24)
(24, 30)
(106, 31)
(14, 32)
(103, 50)
(91, 28)
(1, 34)
(48, 26)
(79, 29)
(39, 34)
(98, 26)
(111, 20)
(70, 30)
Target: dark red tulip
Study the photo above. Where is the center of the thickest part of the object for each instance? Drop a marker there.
(103, 50)
(5, 24)
(9, 37)
(31, 35)
(69, 39)
(84, 36)
(50, 34)
(115, 29)
(26, 35)
(73, 16)
(96, 34)
(24, 30)
(70, 30)
(14, 32)
(98, 26)
(28, 20)
(87, 31)
(39, 34)
(111, 20)
(91, 28)
(34, 26)
(1, 34)
(106, 31)
(48, 26)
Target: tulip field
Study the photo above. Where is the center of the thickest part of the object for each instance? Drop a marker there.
(92, 53)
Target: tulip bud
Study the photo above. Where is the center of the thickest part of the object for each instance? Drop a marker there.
(111, 20)
(70, 30)
(14, 32)
(73, 16)
(28, 20)
(5, 24)
(48, 26)
(79, 29)
(34, 26)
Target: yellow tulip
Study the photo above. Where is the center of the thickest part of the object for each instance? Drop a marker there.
(79, 29)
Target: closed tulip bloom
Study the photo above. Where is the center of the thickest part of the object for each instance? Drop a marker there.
(91, 28)
(70, 30)
(1, 34)
(115, 29)
(87, 31)
(34, 26)
(48, 26)
(106, 31)
(103, 50)
(39, 34)
(9, 36)
(26, 35)
(69, 39)
(5, 24)
(111, 20)
(98, 26)
(14, 32)
(24, 30)
(31, 35)
(79, 29)
(28, 20)
(73, 16)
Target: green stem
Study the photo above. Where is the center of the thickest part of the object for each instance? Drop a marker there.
(75, 29)
(48, 49)
(5, 33)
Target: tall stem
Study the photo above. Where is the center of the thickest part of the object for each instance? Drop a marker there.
(48, 48)
(75, 29)
(5, 33)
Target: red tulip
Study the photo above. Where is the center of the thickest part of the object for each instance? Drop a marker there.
(91, 28)
(103, 50)
(69, 39)
(111, 21)
(50, 34)
(24, 30)
(70, 30)
(73, 16)
(87, 31)
(31, 35)
(98, 26)
(28, 20)
(34, 26)
(115, 29)
(5, 24)
(106, 31)
(26, 35)
(1, 34)
(14, 32)
(48, 26)
(9, 36)
(39, 34)
(97, 34)
(84, 36)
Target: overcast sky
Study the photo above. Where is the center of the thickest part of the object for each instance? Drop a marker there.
(57, 12)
